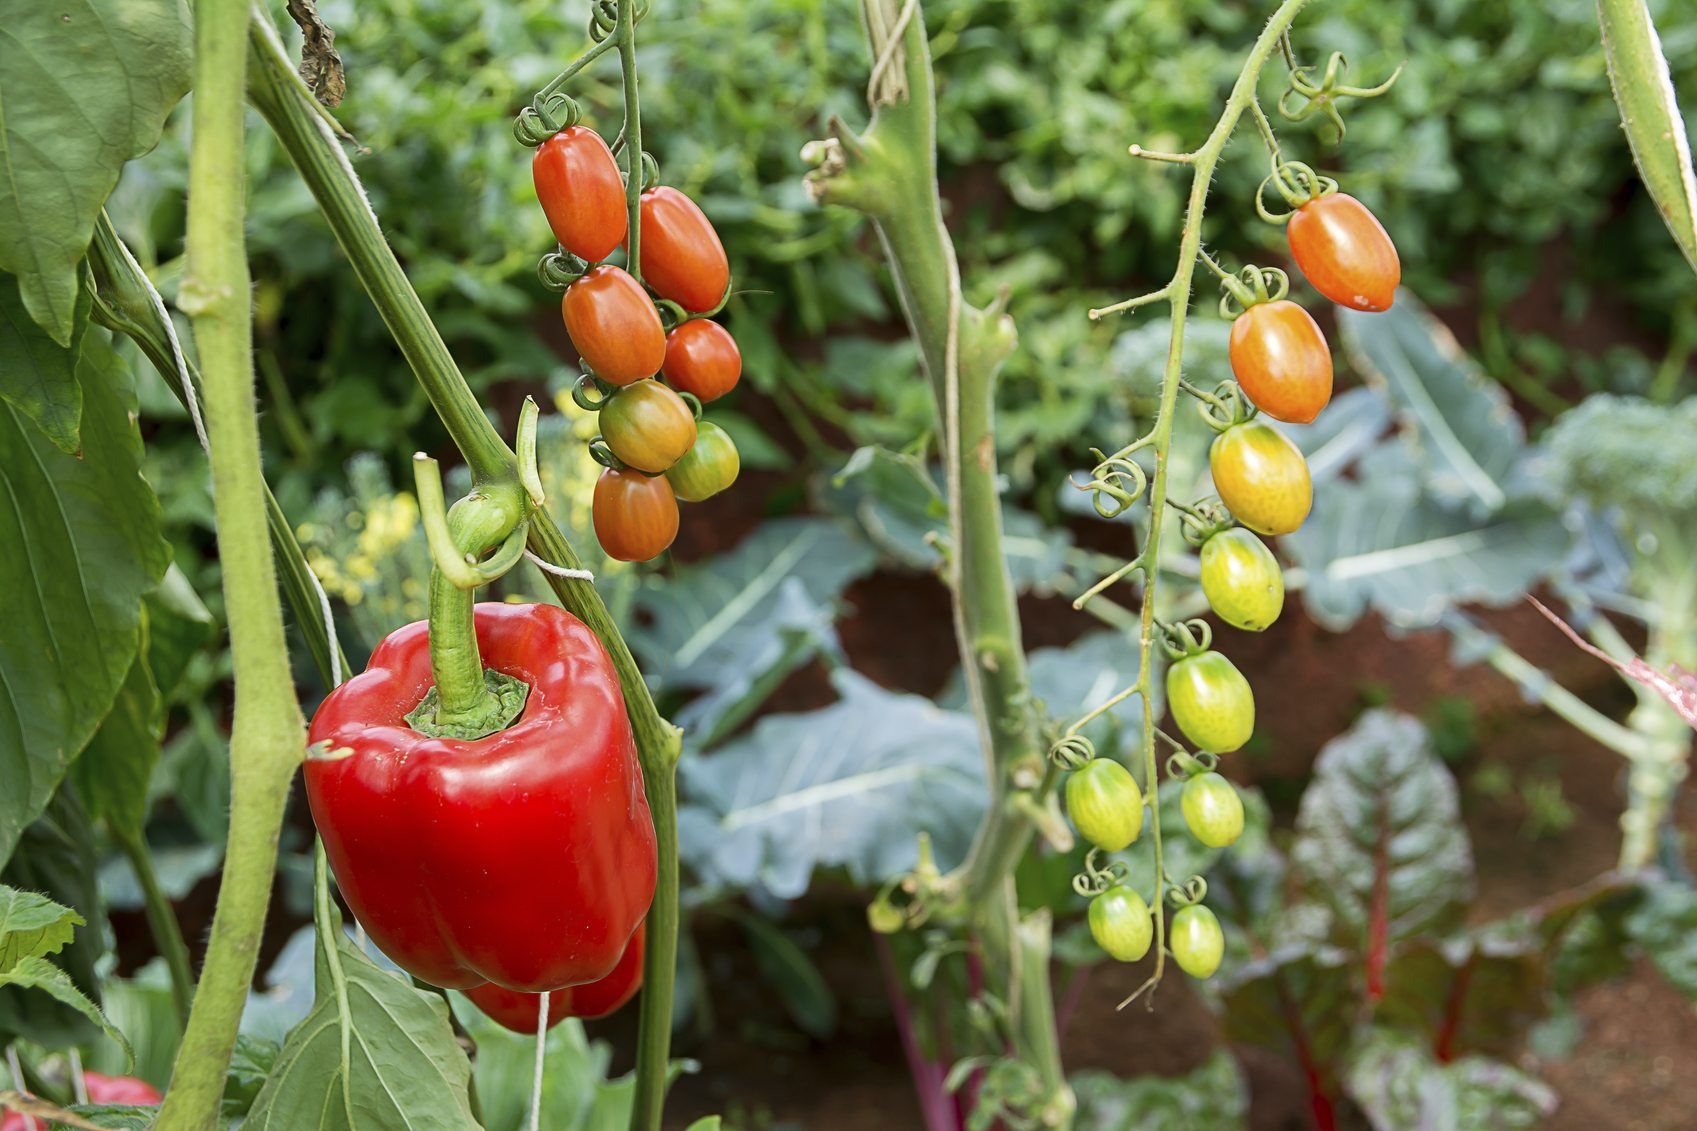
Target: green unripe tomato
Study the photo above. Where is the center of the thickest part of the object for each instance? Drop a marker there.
(1211, 702)
(1241, 579)
(1120, 924)
(1213, 810)
(1196, 941)
(648, 426)
(1105, 804)
(708, 467)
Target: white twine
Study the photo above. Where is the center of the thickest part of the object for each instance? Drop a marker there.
(192, 400)
(18, 1083)
(79, 1085)
(559, 571)
(536, 1077)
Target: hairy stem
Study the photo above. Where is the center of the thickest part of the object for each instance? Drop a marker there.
(267, 734)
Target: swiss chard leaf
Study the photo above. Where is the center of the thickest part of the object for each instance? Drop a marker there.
(1380, 841)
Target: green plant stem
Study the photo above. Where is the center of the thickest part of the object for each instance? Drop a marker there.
(161, 920)
(267, 733)
(890, 173)
(1178, 292)
(626, 34)
(125, 303)
(288, 107)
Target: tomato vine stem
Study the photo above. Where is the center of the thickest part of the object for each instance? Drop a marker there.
(268, 733)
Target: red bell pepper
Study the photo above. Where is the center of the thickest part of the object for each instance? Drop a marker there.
(525, 858)
(516, 1011)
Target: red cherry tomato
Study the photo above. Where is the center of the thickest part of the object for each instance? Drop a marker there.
(582, 193)
(682, 258)
(1279, 357)
(1345, 252)
(518, 1011)
(636, 515)
(702, 358)
(614, 326)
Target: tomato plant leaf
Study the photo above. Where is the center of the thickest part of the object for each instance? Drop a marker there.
(731, 628)
(1402, 1087)
(38, 376)
(1379, 840)
(1214, 1095)
(31, 926)
(85, 85)
(1460, 425)
(1649, 111)
(373, 1052)
(88, 549)
(847, 786)
(36, 973)
(112, 771)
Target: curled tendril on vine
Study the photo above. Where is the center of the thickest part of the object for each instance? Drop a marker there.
(1116, 483)
(1204, 519)
(1303, 97)
(1250, 287)
(1072, 752)
(558, 270)
(1225, 407)
(591, 394)
(1297, 183)
(1186, 638)
(1098, 877)
(1193, 890)
(550, 112)
(1182, 764)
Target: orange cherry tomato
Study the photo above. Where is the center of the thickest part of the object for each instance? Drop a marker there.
(682, 258)
(1345, 252)
(702, 358)
(648, 426)
(518, 1011)
(636, 515)
(582, 193)
(614, 326)
(1279, 357)
(1261, 477)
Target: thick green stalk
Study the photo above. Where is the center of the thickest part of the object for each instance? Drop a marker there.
(286, 104)
(890, 173)
(626, 33)
(267, 734)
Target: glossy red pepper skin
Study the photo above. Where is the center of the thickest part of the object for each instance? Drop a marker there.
(513, 1010)
(525, 858)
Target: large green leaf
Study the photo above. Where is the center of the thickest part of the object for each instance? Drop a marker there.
(38, 376)
(849, 786)
(373, 1052)
(85, 85)
(1214, 1095)
(731, 628)
(1299, 1000)
(113, 770)
(1649, 110)
(1467, 440)
(1382, 542)
(1379, 839)
(85, 549)
(1402, 1087)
